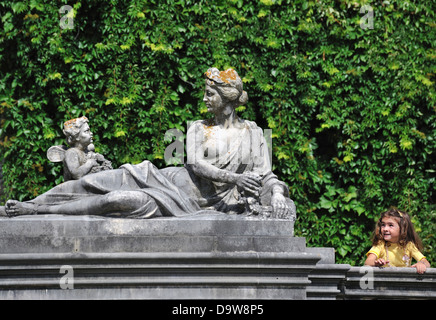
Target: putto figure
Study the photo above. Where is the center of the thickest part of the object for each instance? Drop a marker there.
(80, 159)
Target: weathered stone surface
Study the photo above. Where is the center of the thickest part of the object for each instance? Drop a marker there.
(327, 277)
(207, 257)
(388, 283)
(330, 281)
(240, 275)
(202, 233)
(215, 257)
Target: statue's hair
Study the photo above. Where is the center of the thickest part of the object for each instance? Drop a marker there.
(72, 129)
(228, 84)
(407, 231)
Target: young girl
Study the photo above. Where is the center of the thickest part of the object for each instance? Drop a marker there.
(395, 243)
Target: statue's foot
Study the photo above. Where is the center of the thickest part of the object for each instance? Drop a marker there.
(16, 208)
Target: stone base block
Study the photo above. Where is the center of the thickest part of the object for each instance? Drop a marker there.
(202, 233)
(241, 275)
(199, 257)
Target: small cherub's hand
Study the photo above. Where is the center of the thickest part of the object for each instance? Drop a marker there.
(91, 163)
(420, 267)
(381, 262)
(99, 157)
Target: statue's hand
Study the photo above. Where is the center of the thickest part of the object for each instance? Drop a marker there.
(250, 183)
(92, 162)
(281, 209)
(99, 157)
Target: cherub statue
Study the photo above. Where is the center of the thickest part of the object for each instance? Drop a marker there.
(80, 159)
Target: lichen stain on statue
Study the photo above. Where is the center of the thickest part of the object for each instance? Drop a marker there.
(228, 171)
(226, 76)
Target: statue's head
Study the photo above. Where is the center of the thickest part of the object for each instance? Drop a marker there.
(228, 84)
(72, 129)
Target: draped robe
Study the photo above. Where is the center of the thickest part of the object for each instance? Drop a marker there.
(246, 152)
(161, 197)
(179, 191)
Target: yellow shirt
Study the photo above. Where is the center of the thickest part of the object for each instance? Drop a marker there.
(398, 255)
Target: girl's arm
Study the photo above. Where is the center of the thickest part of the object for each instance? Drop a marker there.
(421, 266)
(372, 260)
(426, 263)
(422, 263)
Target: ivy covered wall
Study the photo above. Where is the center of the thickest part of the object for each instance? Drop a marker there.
(347, 88)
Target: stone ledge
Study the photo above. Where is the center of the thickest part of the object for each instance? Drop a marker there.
(207, 257)
(343, 282)
(330, 281)
(197, 257)
(200, 233)
(389, 283)
(237, 275)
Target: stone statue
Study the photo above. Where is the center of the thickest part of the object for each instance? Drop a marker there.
(227, 171)
(228, 167)
(81, 158)
(131, 191)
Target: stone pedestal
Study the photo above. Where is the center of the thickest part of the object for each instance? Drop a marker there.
(198, 257)
(202, 233)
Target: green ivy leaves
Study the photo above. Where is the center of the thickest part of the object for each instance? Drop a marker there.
(352, 111)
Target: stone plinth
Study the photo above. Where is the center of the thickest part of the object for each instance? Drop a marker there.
(202, 233)
(200, 257)
(243, 275)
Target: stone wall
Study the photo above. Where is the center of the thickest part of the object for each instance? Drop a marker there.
(388, 283)
(219, 257)
(330, 281)
(199, 257)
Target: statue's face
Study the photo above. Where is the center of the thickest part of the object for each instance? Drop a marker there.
(213, 100)
(85, 135)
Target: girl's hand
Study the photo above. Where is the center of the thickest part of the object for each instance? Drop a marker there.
(381, 262)
(420, 267)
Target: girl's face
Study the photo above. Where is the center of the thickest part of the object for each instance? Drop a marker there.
(390, 229)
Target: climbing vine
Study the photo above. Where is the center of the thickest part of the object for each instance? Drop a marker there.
(348, 93)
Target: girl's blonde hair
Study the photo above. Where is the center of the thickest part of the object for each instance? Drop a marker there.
(407, 231)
